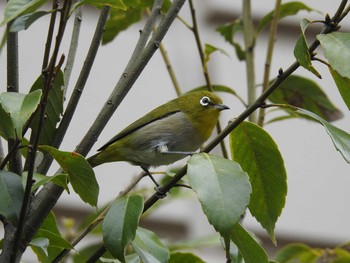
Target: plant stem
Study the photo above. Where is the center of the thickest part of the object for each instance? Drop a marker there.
(170, 69)
(79, 86)
(30, 162)
(73, 46)
(195, 31)
(15, 160)
(270, 47)
(248, 30)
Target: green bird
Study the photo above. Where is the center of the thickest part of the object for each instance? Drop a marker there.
(166, 134)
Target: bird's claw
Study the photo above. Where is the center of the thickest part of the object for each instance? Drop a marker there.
(159, 192)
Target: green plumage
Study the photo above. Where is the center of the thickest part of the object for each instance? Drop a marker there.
(181, 125)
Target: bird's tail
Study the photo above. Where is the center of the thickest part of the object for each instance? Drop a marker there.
(94, 160)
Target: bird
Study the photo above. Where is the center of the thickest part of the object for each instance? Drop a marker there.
(166, 134)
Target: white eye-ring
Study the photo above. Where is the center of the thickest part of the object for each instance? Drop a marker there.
(204, 101)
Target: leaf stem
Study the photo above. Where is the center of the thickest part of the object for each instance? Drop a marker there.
(268, 60)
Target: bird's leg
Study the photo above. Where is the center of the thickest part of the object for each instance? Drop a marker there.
(159, 193)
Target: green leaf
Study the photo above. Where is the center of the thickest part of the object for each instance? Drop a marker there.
(41, 243)
(148, 246)
(250, 249)
(307, 94)
(209, 49)
(228, 31)
(40, 180)
(287, 9)
(336, 48)
(254, 149)
(343, 85)
(11, 196)
(120, 224)
(16, 8)
(340, 138)
(6, 126)
(300, 253)
(118, 4)
(222, 187)
(180, 257)
(49, 230)
(53, 111)
(301, 50)
(80, 173)
(24, 22)
(20, 107)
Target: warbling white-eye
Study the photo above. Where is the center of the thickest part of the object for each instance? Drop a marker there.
(166, 134)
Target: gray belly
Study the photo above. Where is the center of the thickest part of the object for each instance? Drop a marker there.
(175, 132)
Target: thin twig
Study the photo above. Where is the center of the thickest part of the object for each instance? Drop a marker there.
(51, 74)
(73, 46)
(248, 31)
(195, 31)
(268, 60)
(78, 89)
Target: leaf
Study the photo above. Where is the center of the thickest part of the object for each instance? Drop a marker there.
(148, 246)
(11, 196)
(209, 49)
(222, 187)
(118, 4)
(80, 173)
(20, 107)
(336, 48)
(305, 93)
(120, 224)
(251, 251)
(42, 243)
(180, 257)
(49, 230)
(6, 127)
(301, 50)
(254, 149)
(16, 8)
(24, 22)
(53, 111)
(296, 253)
(343, 85)
(287, 9)
(40, 180)
(228, 31)
(340, 138)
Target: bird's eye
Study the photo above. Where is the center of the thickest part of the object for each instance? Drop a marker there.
(205, 101)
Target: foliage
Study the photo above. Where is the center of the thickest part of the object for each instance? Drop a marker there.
(253, 177)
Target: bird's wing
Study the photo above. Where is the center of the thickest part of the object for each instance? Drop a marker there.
(149, 118)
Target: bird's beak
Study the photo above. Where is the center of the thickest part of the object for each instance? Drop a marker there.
(221, 107)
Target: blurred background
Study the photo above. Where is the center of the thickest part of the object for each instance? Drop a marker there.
(316, 210)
